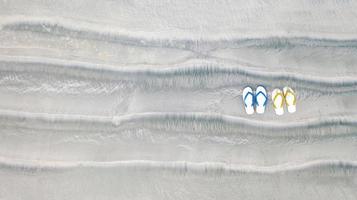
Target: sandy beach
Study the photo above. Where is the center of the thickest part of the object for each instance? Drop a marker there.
(143, 99)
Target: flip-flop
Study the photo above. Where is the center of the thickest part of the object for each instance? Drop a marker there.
(261, 99)
(290, 99)
(248, 99)
(278, 101)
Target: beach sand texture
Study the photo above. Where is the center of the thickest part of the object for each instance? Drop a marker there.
(142, 99)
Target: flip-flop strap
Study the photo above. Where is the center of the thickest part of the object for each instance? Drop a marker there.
(266, 98)
(291, 93)
(282, 99)
(245, 97)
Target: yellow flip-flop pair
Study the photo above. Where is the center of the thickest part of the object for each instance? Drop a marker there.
(286, 96)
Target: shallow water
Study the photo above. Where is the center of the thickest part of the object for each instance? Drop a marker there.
(143, 99)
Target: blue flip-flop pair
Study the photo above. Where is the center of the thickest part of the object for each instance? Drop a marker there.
(255, 100)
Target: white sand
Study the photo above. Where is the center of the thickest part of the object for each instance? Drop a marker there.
(142, 99)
